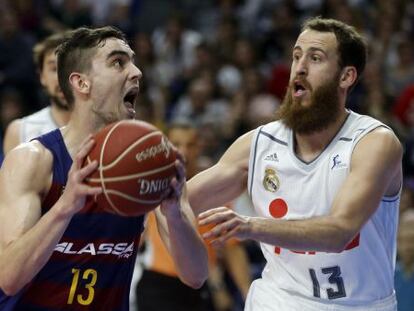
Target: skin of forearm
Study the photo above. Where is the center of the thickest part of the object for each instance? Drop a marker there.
(317, 234)
(188, 250)
(22, 259)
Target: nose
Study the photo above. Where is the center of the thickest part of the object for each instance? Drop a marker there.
(301, 67)
(135, 73)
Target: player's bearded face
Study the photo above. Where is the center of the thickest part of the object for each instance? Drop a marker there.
(59, 101)
(322, 111)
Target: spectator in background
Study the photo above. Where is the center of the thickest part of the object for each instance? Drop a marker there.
(16, 66)
(57, 113)
(174, 47)
(400, 73)
(11, 107)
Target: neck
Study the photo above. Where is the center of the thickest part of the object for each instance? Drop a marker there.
(59, 115)
(309, 146)
(81, 124)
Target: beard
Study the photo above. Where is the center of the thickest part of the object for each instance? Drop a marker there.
(57, 101)
(323, 110)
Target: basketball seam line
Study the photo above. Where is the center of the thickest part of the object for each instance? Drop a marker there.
(127, 177)
(126, 151)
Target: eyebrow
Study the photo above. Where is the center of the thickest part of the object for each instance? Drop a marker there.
(311, 49)
(120, 53)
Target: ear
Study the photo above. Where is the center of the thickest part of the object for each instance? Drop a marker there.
(348, 77)
(80, 83)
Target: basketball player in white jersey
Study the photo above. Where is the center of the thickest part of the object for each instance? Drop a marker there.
(324, 181)
(51, 117)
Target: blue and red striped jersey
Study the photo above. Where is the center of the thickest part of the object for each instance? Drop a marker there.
(91, 267)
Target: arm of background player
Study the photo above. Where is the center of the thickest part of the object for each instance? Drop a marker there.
(375, 172)
(238, 266)
(12, 136)
(224, 181)
(177, 227)
(28, 239)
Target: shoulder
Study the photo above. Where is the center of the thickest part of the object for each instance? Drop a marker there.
(239, 151)
(12, 135)
(30, 162)
(379, 153)
(381, 139)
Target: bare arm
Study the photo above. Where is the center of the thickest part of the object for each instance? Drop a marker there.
(178, 229)
(354, 204)
(12, 136)
(224, 181)
(237, 263)
(27, 240)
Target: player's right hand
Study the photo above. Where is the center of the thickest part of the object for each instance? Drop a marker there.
(76, 190)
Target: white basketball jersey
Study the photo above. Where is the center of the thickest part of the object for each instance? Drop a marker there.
(37, 124)
(283, 186)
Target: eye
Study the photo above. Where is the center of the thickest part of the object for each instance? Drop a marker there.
(118, 63)
(296, 57)
(316, 58)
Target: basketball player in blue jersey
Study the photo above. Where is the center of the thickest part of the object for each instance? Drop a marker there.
(58, 250)
(325, 183)
(55, 115)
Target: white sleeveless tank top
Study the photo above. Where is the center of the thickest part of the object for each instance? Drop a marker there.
(282, 186)
(37, 124)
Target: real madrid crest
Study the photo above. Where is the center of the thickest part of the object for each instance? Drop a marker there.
(271, 181)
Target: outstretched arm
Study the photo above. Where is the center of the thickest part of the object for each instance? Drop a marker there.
(224, 181)
(178, 229)
(27, 240)
(355, 203)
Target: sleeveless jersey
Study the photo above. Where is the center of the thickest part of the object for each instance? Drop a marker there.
(283, 186)
(37, 124)
(91, 267)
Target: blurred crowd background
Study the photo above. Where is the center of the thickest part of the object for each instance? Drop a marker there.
(223, 66)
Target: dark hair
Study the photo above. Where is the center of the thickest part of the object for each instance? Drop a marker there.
(351, 46)
(49, 44)
(76, 53)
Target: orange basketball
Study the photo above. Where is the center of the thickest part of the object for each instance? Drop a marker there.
(136, 164)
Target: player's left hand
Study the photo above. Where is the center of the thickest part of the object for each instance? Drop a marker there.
(171, 204)
(228, 224)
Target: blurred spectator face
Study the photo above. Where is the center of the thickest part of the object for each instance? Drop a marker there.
(245, 55)
(142, 46)
(186, 141)
(405, 53)
(227, 31)
(200, 92)
(174, 30)
(8, 23)
(49, 80)
(252, 82)
(406, 238)
(205, 57)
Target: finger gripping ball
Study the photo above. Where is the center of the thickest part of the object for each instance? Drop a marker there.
(136, 164)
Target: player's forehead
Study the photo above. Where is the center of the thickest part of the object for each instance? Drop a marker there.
(111, 45)
(316, 40)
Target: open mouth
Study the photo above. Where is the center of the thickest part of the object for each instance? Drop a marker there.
(131, 96)
(298, 88)
(130, 99)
